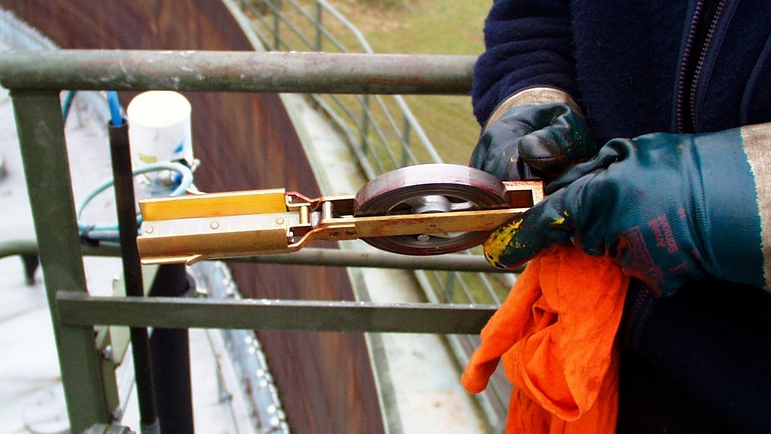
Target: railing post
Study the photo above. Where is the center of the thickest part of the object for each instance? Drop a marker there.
(132, 271)
(276, 25)
(406, 130)
(170, 354)
(46, 167)
(319, 26)
(449, 287)
(364, 128)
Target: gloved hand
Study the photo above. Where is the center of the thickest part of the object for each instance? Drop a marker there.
(536, 140)
(669, 208)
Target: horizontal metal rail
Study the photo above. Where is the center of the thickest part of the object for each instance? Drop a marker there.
(79, 309)
(308, 256)
(342, 258)
(237, 71)
(29, 247)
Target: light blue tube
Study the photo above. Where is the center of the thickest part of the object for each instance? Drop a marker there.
(110, 232)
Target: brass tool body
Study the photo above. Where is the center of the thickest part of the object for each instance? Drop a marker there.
(220, 225)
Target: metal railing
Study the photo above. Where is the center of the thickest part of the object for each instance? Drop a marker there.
(382, 130)
(384, 135)
(35, 79)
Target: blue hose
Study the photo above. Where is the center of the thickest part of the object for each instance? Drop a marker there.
(116, 118)
(67, 104)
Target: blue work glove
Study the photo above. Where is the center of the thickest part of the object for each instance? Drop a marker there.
(669, 208)
(534, 141)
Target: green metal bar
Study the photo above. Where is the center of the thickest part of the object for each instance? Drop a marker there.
(379, 259)
(319, 26)
(18, 247)
(241, 71)
(307, 256)
(405, 142)
(46, 166)
(29, 247)
(79, 309)
(277, 25)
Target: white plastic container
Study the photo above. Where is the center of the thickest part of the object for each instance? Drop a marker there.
(159, 128)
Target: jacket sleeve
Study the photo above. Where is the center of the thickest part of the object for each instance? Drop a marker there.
(528, 43)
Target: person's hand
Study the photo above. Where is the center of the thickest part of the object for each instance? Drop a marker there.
(669, 208)
(534, 141)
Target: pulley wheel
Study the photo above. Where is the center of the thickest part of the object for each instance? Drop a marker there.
(429, 188)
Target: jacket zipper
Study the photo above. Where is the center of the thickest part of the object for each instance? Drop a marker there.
(700, 34)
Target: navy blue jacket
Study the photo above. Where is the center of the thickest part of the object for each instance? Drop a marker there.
(626, 61)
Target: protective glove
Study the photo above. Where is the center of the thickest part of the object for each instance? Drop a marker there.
(535, 134)
(669, 208)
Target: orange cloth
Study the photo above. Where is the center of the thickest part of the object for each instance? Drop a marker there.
(556, 334)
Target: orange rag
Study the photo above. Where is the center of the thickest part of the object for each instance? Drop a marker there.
(556, 334)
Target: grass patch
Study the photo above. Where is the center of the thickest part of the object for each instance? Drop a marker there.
(427, 27)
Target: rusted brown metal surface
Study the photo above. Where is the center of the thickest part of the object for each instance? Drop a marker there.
(246, 141)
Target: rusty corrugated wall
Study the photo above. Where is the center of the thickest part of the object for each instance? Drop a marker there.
(245, 142)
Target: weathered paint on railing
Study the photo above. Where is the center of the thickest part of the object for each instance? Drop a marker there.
(236, 71)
